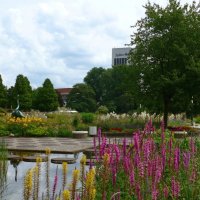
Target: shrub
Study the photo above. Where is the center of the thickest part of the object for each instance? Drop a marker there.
(102, 110)
(87, 118)
(62, 132)
(75, 121)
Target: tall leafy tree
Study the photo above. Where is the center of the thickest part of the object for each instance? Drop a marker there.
(23, 91)
(45, 97)
(82, 98)
(166, 56)
(118, 89)
(3, 94)
(94, 80)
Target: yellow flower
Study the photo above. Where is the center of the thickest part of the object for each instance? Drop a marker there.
(38, 160)
(47, 150)
(106, 159)
(75, 174)
(66, 195)
(93, 194)
(83, 159)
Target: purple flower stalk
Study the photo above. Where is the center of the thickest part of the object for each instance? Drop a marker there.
(124, 146)
(114, 175)
(136, 142)
(175, 188)
(132, 178)
(165, 192)
(163, 131)
(99, 136)
(186, 159)
(155, 194)
(117, 153)
(192, 146)
(163, 155)
(136, 159)
(126, 164)
(55, 185)
(141, 169)
(176, 159)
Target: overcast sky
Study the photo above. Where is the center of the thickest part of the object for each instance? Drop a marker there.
(63, 39)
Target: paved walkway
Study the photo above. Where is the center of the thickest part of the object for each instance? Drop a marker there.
(57, 145)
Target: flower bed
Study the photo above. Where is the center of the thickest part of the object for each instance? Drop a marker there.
(147, 169)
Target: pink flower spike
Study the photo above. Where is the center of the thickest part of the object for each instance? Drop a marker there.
(186, 159)
(175, 188)
(165, 192)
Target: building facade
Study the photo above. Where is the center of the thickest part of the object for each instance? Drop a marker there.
(120, 56)
(63, 93)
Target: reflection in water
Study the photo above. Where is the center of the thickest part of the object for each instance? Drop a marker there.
(15, 164)
(17, 170)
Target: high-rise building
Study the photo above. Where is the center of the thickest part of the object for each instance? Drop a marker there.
(120, 55)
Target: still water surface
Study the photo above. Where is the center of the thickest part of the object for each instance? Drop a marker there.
(15, 181)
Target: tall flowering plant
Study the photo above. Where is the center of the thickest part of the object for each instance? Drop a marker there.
(142, 168)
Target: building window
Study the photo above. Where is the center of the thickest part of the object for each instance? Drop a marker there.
(120, 61)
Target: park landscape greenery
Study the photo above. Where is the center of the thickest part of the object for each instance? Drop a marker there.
(163, 78)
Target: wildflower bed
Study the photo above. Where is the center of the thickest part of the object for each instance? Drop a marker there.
(147, 169)
(152, 165)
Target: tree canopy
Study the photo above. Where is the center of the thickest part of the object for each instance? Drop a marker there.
(3, 94)
(165, 57)
(45, 97)
(82, 98)
(23, 91)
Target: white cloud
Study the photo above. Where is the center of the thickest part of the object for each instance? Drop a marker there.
(62, 40)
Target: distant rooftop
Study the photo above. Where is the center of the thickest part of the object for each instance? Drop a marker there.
(63, 90)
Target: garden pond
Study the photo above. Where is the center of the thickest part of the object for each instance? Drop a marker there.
(17, 170)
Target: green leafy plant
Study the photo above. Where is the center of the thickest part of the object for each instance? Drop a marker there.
(87, 118)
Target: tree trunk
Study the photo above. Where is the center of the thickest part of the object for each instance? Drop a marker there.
(166, 111)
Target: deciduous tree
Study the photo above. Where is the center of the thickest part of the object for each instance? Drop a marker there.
(165, 55)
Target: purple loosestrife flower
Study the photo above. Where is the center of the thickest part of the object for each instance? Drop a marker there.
(138, 192)
(78, 197)
(136, 142)
(147, 150)
(136, 159)
(165, 192)
(163, 155)
(55, 185)
(149, 168)
(175, 188)
(141, 169)
(154, 194)
(99, 136)
(186, 159)
(163, 131)
(176, 159)
(192, 146)
(158, 174)
(193, 175)
(132, 178)
(114, 175)
(126, 164)
(102, 147)
(124, 146)
(117, 153)
(149, 127)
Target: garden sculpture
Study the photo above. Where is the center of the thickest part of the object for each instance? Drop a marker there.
(17, 113)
